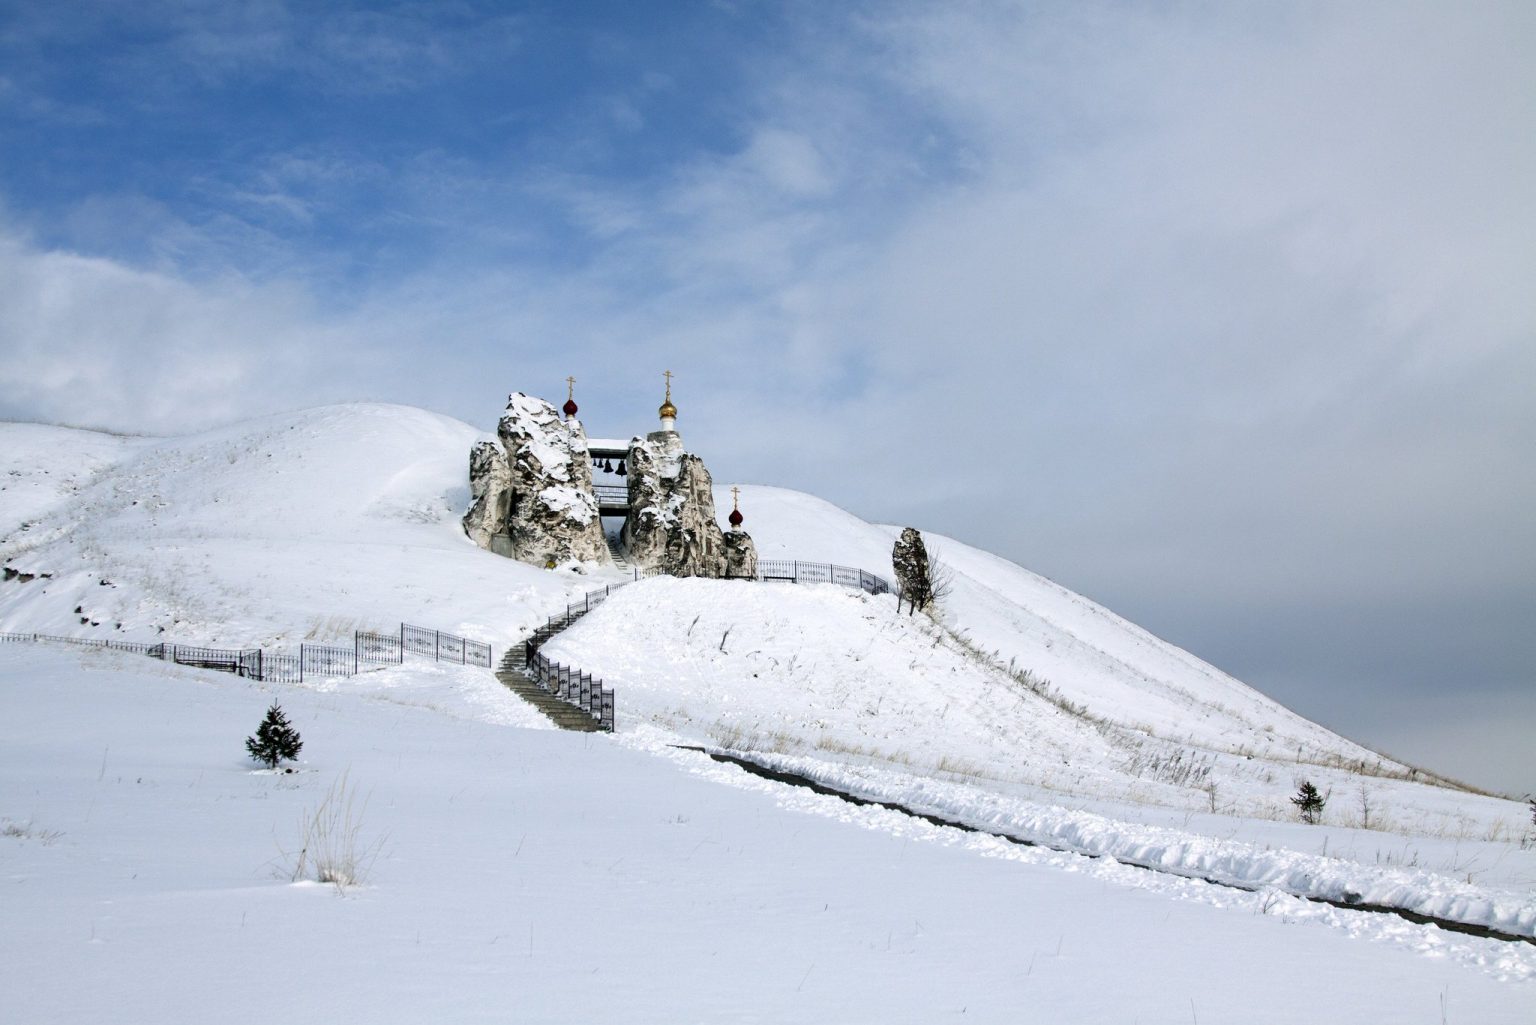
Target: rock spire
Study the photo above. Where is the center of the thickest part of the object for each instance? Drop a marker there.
(533, 499)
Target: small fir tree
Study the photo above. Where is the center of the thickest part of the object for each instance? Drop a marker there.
(1309, 803)
(275, 739)
(909, 558)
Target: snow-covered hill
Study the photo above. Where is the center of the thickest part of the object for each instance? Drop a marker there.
(1024, 706)
(298, 526)
(303, 525)
(1091, 657)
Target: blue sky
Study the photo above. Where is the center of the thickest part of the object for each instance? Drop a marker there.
(1221, 314)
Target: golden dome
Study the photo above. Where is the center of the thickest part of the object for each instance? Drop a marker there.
(667, 410)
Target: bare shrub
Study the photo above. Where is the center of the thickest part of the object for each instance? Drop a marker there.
(330, 846)
(27, 831)
(941, 577)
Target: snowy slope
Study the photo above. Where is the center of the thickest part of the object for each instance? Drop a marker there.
(836, 685)
(298, 526)
(349, 515)
(537, 876)
(43, 467)
(309, 525)
(1094, 658)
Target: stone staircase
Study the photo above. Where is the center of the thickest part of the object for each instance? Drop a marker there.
(617, 552)
(513, 673)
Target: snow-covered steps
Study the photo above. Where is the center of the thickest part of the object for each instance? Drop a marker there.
(616, 552)
(563, 714)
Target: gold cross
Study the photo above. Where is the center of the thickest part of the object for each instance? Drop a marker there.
(668, 376)
(736, 498)
(570, 387)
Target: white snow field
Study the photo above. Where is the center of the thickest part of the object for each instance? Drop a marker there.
(515, 872)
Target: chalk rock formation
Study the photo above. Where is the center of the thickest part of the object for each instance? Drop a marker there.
(740, 554)
(543, 509)
(490, 490)
(671, 523)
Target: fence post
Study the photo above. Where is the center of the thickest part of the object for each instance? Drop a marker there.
(301, 661)
(356, 640)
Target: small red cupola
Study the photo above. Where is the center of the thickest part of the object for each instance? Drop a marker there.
(569, 409)
(735, 517)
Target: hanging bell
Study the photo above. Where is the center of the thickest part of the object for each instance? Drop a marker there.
(620, 471)
(607, 466)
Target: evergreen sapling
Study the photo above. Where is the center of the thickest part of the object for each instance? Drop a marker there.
(275, 739)
(909, 558)
(1309, 802)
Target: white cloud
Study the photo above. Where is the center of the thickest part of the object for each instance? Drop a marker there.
(92, 342)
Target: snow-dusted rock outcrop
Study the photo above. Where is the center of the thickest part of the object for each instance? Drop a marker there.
(740, 554)
(535, 502)
(490, 490)
(532, 498)
(553, 514)
(671, 524)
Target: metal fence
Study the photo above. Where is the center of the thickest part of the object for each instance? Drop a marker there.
(611, 494)
(26, 638)
(795, 571)
(564, 682)
(572, 685)
(369, 650)
(799, 571)
(589, 694)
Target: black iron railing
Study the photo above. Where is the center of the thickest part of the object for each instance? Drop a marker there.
(796, 571)
(589, 694)
(580, 689)
(368, 650)
(611, 494)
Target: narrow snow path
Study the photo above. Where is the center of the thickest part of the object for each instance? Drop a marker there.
(764, 771)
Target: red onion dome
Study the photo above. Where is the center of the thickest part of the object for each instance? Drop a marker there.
(569, 408)
(735, 518)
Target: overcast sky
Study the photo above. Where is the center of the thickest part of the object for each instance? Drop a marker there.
(1222, 314)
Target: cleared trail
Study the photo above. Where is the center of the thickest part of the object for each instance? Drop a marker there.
(816, 786)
